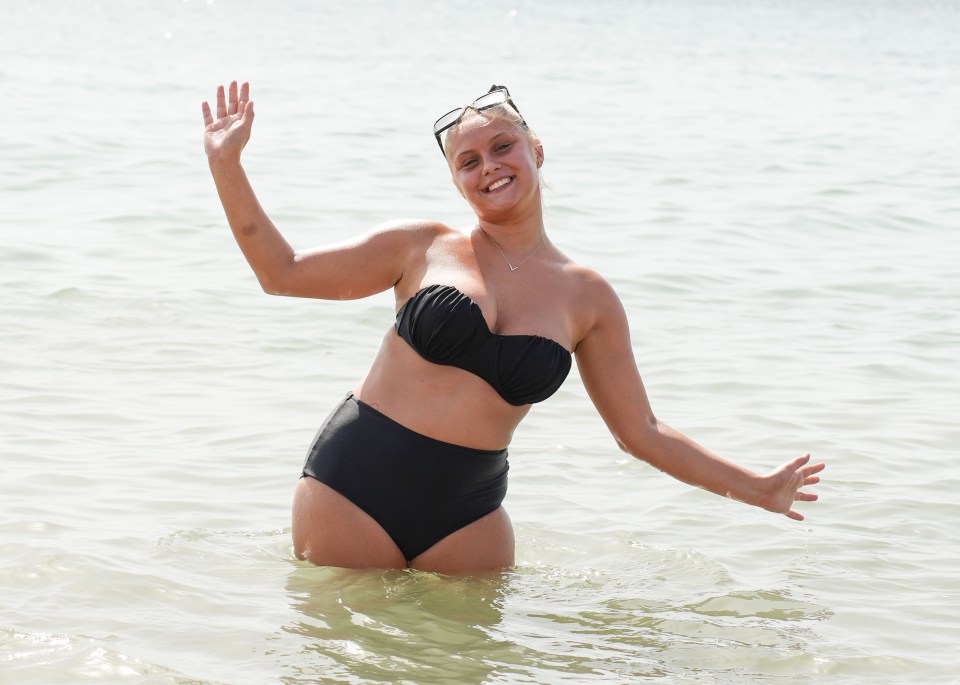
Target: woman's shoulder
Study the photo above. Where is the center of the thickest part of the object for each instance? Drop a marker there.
(407, 236)
(418, 234)
(587, 284)
(590, 297)
(415, 228)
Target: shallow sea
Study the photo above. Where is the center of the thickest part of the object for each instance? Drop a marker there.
(772, 186)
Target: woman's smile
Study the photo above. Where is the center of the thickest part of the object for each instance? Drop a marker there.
(499, 183)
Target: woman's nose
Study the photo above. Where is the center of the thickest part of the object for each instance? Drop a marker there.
(490, 165)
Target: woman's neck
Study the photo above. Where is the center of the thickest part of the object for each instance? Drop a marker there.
(517, 242)
(518, 234)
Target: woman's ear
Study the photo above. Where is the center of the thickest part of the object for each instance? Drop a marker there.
(539, 150)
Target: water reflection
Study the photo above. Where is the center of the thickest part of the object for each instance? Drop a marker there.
(608, 619)
(394, 626)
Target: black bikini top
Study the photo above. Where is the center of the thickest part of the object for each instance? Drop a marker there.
(445, 326)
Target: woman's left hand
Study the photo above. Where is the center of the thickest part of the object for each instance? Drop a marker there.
(782, 487)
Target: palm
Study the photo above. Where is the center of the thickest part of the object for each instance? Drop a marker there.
(785, 484)
(228, 133)
(223, 134)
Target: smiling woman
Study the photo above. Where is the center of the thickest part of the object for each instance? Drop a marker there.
(410, 469)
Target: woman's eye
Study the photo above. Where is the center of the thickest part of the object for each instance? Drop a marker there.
(469, 163)
(502, 147)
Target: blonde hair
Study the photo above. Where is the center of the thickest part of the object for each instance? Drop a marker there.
(502, 111)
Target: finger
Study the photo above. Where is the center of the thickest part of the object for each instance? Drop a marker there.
(221, 103)
(796, 516)
(245, 110)
(811, 480)
(806, 497)
(245, 92)
(207, 117)
(795, 465)
(232, 103)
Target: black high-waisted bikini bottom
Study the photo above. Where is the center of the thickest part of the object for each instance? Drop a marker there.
(417, 488)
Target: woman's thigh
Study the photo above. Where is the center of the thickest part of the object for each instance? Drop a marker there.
(487, 544)
(330, 530)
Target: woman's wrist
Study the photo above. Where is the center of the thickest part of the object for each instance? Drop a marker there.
(749, 489)
(220, 163)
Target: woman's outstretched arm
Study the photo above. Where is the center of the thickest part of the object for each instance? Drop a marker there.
(357, 268)
(607, 366)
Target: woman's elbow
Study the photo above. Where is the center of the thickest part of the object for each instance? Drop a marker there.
(279, 277)
(273, 285)
(638, 440)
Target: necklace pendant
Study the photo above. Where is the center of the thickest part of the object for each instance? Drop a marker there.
(500, 249)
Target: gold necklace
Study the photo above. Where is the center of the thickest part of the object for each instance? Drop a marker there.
(523, 261)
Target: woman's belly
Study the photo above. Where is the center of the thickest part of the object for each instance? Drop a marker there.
(442, 402)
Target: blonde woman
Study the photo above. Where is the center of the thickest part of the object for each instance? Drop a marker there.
(410, 469)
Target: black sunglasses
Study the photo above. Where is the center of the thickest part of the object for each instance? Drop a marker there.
(497, 95)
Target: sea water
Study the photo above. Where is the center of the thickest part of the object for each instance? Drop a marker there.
(772, 187)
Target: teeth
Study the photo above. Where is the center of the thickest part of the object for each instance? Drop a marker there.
(499, 184)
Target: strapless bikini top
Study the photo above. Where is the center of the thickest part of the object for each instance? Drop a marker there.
(444, 326)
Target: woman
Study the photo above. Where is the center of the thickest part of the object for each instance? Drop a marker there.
(410, 469)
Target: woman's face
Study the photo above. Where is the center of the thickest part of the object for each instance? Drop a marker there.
(494, 164)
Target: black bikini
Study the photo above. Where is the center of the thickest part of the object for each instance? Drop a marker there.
(417, 488)
(446, 327)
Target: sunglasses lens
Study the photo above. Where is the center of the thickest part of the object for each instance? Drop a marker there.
(447, 120)
(492, 99)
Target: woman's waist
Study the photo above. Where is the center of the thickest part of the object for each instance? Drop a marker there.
(444, 403)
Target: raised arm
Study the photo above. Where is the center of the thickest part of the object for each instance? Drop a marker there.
(357, 268)
(607, 366)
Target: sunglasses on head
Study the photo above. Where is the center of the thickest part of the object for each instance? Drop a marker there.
(497, 95)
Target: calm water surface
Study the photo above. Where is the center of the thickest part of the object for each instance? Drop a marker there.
(771, 186)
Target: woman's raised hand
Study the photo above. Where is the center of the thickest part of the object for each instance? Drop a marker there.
(226, 135)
